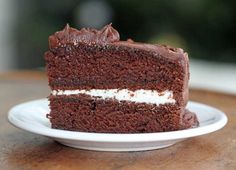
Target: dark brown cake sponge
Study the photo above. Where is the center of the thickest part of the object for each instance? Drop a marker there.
(97, 59)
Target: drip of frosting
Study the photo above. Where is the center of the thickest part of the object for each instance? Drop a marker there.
(86, 35)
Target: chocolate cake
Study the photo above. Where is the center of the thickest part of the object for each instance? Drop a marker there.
(102, 84)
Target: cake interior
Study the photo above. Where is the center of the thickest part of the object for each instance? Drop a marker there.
(117, 87)
(83, 113)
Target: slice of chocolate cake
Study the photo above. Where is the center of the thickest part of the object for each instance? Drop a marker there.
(102, 84)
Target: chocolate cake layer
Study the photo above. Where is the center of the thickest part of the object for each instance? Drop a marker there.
(83, 113)
(117, 65)
(89, 59)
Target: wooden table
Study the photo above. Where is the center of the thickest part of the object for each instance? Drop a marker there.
(22, 150)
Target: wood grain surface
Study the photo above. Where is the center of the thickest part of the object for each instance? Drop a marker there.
(20, 150)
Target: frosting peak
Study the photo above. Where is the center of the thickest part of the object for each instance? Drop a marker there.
(109, 34)
(86, 35)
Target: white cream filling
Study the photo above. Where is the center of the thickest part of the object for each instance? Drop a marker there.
(139, 96)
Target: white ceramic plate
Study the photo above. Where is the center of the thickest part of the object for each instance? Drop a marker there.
(31, 116)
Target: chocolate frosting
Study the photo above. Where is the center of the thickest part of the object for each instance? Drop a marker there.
(86, 35)
(104, 36)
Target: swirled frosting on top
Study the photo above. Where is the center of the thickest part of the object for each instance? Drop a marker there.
(86, 35)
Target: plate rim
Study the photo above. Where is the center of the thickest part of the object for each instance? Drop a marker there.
(119, 137)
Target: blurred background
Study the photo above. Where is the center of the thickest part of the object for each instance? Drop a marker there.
(206, 29)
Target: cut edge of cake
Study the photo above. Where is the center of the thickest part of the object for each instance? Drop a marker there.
(77, 105)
